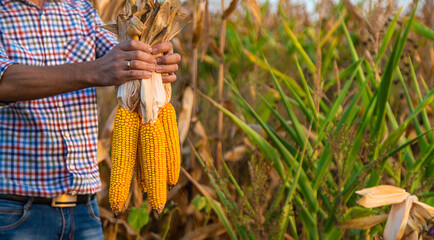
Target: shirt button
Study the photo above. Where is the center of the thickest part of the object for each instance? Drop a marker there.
(66, 135)
(60, 104)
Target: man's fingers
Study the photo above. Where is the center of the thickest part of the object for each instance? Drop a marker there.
(135, 74)
(139, 55)
(167, 68)
(134, 45)
(162, 48)
(140, 65)
(169, 59)
(169, 78)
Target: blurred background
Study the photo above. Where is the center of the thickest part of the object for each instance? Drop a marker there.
(285, 109)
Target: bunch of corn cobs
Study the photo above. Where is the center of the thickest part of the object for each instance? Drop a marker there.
(145, 137)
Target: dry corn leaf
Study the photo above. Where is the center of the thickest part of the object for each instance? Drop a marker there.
(381, 195)
(420, 215)
(410, 234)
(174, 6)
(109, 124)
(161, 21)
(150, 16)
(184, 118)
(198, 25)
(372, 200)
(206, 232)
(397, 219)
(137, 196)
(424, 209)
(204, 149)
(230, 9)
(107, 9)
(236, 154)
(288, 237)
(382, 189)
(363, 223)
(177, 24)
(102, 152)
(160, 37)
(112, 27)
(136, 27)
(255, 8)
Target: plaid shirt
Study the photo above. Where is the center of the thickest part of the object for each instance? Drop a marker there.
(48, 146)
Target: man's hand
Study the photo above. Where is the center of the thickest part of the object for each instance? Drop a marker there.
(168, 63)
(112, 69)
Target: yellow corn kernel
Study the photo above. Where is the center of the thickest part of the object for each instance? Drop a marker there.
(155, 167)
(140, 174)
(173, 153)
(123, 155)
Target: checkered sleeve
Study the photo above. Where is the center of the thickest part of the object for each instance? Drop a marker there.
(5, 62)
(105, 40)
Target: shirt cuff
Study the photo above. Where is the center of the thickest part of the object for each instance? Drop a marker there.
(4, 64)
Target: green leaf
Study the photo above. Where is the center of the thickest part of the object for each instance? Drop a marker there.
(257, 139)
(387, 37)
(422, 30)
(138, 217)
(338, 102)
(386, 79)
(199, 202)
(299, 48)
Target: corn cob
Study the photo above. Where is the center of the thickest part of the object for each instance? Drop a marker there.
(140, 175)
(151, 22)
(124, 152)
(173, 154)
(155, 167)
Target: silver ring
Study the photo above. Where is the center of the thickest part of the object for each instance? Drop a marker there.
(129, 65)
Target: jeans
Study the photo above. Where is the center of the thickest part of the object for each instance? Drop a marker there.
(24, 220)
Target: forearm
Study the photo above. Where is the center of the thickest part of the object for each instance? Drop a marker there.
(20, 83)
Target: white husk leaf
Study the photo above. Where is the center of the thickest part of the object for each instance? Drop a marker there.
(398, 218)
(127, 93)
(159, 95)
(168, 90)
(147, 96)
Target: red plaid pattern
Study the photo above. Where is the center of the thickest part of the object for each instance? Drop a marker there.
(48, 146)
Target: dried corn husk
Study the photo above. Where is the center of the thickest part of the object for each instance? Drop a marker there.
(364, 222)
(407, 216)
(152, 23)
(127, 28)
(397, 220)
(158, 24)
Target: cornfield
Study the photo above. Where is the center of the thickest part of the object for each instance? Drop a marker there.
(293, 124)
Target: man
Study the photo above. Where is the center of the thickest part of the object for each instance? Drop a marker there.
(52, 55)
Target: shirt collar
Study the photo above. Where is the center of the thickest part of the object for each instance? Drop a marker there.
(4, 2)
(8, 1)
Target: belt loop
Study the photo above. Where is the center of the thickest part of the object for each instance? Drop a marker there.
(28, 204)
(89, 196)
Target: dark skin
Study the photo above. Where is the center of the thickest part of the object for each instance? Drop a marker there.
(19, 83)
